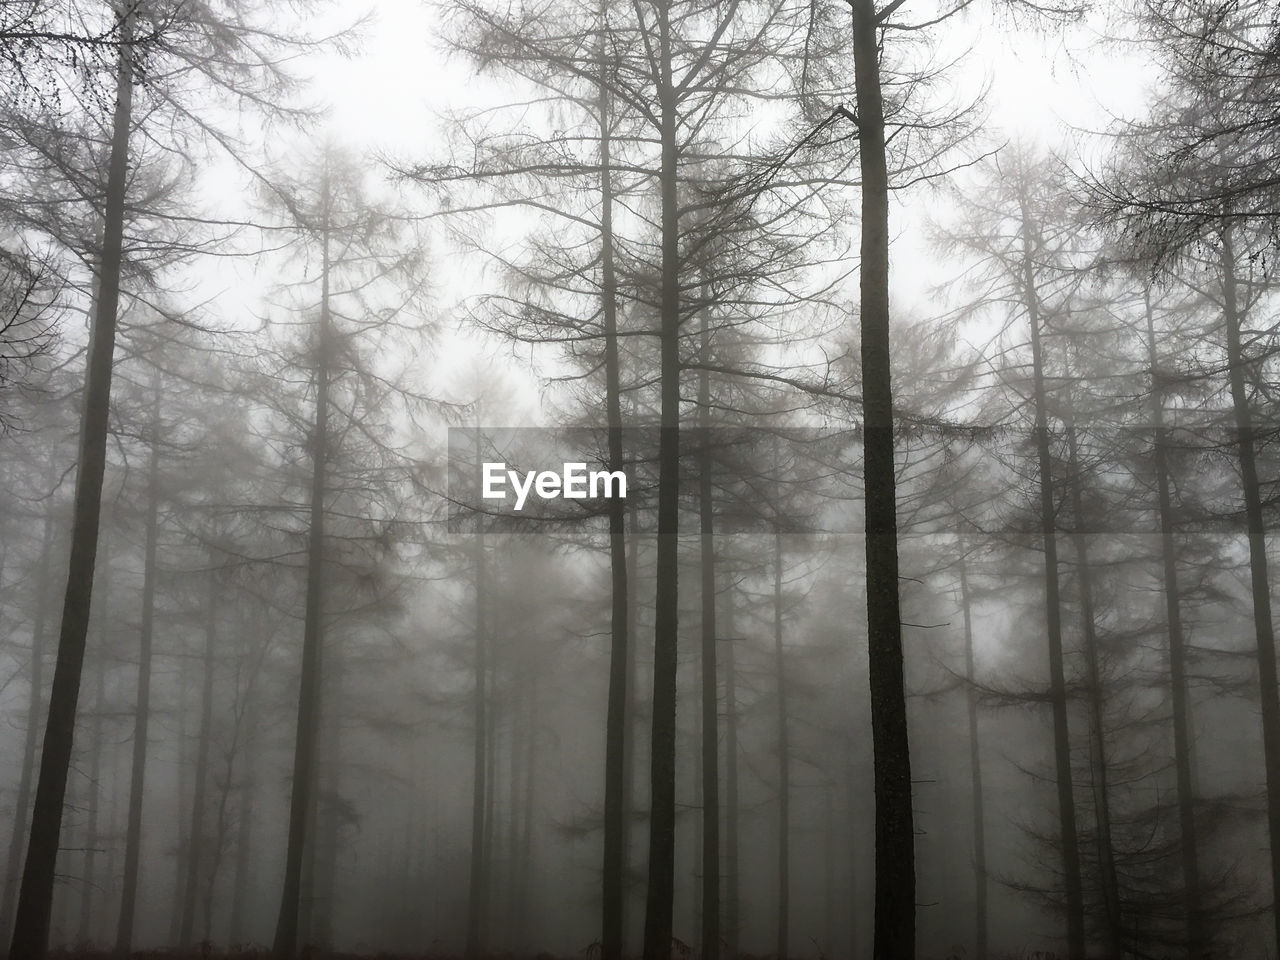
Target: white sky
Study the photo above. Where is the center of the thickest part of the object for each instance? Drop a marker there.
(1042, 85)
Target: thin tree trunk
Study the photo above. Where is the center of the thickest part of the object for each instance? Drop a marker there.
(142, 715)
(241, 882)
(659, 898)
(1100, 775)
(191, 887)
(710, 719)
(613, 877)
(35, 898)
(1262, 622)
(732, 923)
(1182, 735)
(478, 884)
(629, 725)
(285, 944)
(784, 760)
(1072, 888)
(895, 833)
(84, 934)
(22, 803)
(975, 775)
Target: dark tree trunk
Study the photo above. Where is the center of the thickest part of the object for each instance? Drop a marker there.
(614, 879)
(285, 944)
(22, 803)
(35, 898)
(479, 882)
(710, 720)
(659, 899)
(1100, 775)
(975, 776)
(241, 881)
(784, 759)
(1180, 698)
(84, 934)
(142, 714)
(191, 885)
(1256, 526)
(895, 834)
(1073, 891)
(731, 897)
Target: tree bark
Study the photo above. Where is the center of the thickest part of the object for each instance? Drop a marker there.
(784, 759)
(35, 898)
(1072, 888)
(478, 883)
(731, 897)
(285, 944)
(191, 886)
(895, 834)
(975, 775)
(142, 714)
(22, 803)
(1256, 527)
(710, 718)
(1179, 694)
(659, 899)
(615, 786)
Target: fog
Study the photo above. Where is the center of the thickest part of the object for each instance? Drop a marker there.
(661, 480)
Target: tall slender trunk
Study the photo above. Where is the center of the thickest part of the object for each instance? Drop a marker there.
(784, 759)
(630, 722)
(22, 803)
(84, 933)
(191, 886)
(975, 775)
(35, 898)
(525, 868)
(613, 877)
(1179, 695)
(285, 944)
(710, 719)
(1072, 887)
(241, 883)
(1256, 527)
(182, 840)
(1100, 778)
(731, 923)
(659, 899)
(478, 883)
(142, 714)
(895, 910)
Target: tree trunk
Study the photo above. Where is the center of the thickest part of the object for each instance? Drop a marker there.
(1262, 623)
(613, 878)
(975, 776)
(285, 944)
(895, 833)
(1100, 775)
(240, 885)
(1072, 887)
(478, 883)
(1182, 735)
(142, 715)
(84, 934)
(732, 883)
(22, 803)
(659, 898)
(35, 898)
(784, 759)
(191, 886)
(710, 719)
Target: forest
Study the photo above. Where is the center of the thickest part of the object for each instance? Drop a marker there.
(663, 479)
